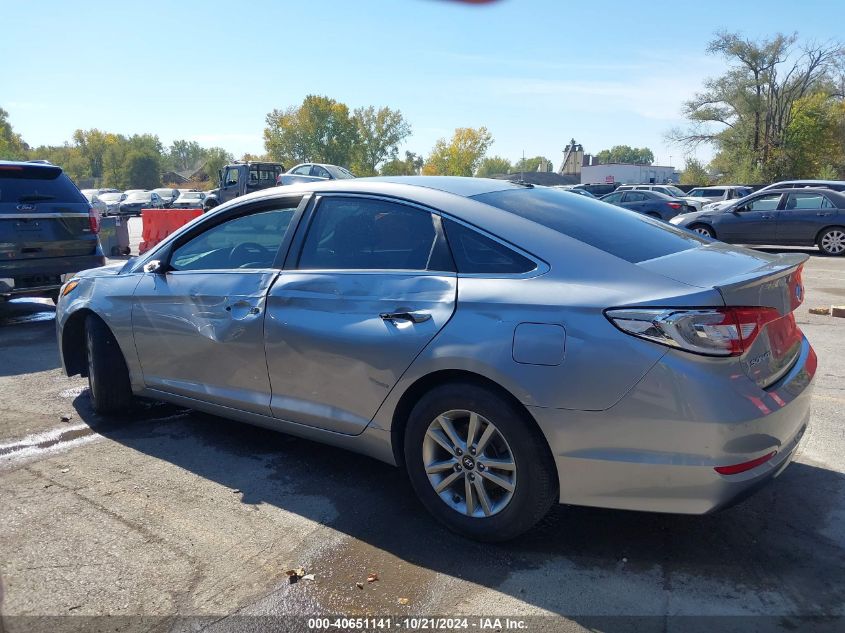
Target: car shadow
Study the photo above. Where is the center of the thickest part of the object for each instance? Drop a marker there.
(27, 336)
(782, 544)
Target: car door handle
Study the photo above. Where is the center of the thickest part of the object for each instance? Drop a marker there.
(823, 215)
(767, 217)
(414, 317)
(244, 304)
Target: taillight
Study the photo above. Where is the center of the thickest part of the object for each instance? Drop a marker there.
(712, 331)
(675, 205)
(93, 220)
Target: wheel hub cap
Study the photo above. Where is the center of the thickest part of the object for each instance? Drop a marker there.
(469, 463)
(834, 242)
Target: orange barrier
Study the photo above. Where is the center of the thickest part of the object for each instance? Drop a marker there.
(159, 223)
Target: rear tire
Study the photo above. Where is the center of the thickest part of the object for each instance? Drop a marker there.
(108, 378)
(515, 453)
(832, 241)
(703, 229)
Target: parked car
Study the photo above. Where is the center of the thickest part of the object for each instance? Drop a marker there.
(190, 200)
(651, 203)
(47, 230)
(112, 201)
(598, 188)
(241, 178)
(168, 196)
(138, 200)
(799, 217)
(510, 346)
(835, 185)
(100, 207)
(317, 170)
(719, 194)
(572, 189)
(667, 190)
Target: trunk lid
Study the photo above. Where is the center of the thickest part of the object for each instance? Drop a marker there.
(746, 278)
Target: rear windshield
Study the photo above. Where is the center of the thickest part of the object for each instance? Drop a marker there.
(21, 184)
(706, 193)
(617, 231)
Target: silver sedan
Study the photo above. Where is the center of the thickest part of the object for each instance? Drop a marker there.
(511, 347)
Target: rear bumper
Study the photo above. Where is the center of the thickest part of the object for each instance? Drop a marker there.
(657, 448)
(42, 276)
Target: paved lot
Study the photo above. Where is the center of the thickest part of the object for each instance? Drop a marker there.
(171, 512)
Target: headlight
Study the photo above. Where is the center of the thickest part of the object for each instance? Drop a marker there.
(676, 220)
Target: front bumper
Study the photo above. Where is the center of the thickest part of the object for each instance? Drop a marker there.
(656, 449)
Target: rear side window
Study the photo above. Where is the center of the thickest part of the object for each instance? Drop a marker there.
(621, 233)
(21, 184)
(477, 253)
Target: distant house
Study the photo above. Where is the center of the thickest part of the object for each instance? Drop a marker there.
(631, 174)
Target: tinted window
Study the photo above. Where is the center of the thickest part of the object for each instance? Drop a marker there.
(249, 241)
(800, 201)
(339, 172)
(369, 234)
(303, 170)
(619, 232)
(37, 184)
(477, 253)
(316, 170)
(613, 198)
(635, 196)
(764, 203)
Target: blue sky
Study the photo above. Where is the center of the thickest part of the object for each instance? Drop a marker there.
(534, 72)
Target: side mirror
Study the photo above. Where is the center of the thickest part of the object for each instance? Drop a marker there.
(154, 266)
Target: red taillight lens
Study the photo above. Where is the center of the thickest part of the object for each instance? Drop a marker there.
(675, 205)
(744, 466)
(713, 331)
(93, 221)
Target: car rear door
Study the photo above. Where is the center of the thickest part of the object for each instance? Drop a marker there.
(199, 321)
(804, 214)
(43, 216)
(373, 283)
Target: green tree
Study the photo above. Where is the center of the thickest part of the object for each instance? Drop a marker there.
(814, 138)
(411, 166)
(530, 164)
(459, 156)
(215, 159)
(493, 166)
(92, 146)
(378, 135)
(694, 173)
(12, 146)
(184, 155)
(143, 169)
(320, 130)
(747, 112)
(626, 154)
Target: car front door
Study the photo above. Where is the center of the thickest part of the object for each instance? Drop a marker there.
(753, 222)
(230, 187)
(372, 285)
(198, 321)
(803, 216)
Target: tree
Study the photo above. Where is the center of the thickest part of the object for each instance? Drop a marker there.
(379, 133)
(746, 113)
(184, 155)
(411, 166)
(626, 154)
(92, 146)
(694, 173)
(215, 159)
(814, 138)
(530, 164)
(12, 146)
(320, 130)
(143, 169)
(493, 166)
(461, 155)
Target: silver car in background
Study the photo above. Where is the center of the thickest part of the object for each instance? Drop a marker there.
(509, 346)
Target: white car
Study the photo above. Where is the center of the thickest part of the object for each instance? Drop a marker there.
(100, 207)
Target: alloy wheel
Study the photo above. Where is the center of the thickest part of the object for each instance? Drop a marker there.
(833, 242)
(701, 231)
(469, 463)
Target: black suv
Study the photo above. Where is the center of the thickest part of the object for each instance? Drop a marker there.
(47, 230)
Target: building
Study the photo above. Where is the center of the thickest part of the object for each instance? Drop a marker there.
(626, 173)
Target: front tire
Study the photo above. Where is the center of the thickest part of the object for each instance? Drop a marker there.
(477, 463)
(108, 378)
(832, 241)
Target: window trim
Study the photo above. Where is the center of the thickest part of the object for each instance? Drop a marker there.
(164, 250)
(295, 251)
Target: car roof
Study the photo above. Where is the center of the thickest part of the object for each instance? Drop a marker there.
(819, 190)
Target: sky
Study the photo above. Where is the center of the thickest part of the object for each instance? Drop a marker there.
(536, 73)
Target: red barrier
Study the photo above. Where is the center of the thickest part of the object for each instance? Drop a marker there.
(159, 223)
